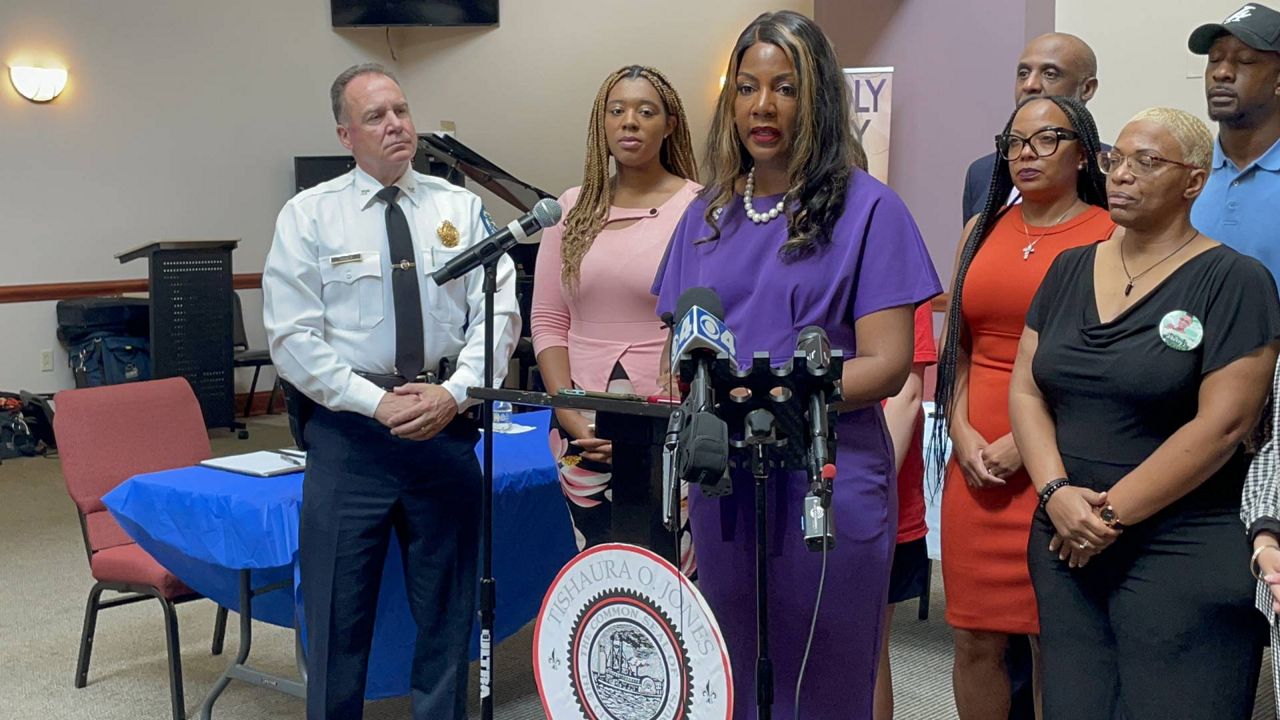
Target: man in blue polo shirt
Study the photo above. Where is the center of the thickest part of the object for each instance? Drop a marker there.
(1240, 204)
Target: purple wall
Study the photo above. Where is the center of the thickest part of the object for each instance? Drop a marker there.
(952, 90)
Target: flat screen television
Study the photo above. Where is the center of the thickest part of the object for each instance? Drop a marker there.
(389, 13)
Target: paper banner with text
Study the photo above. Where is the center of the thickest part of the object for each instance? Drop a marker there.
(871, 108)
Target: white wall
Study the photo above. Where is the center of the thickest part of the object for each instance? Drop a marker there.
(181, 119)
(521, 94)
(1142, 53)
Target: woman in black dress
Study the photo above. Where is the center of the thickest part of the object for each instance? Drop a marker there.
(1145, 362)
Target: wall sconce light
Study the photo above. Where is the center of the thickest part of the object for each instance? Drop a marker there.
(38, 84)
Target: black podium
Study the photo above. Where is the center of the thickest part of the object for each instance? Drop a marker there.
(191, 323)
(637, 430)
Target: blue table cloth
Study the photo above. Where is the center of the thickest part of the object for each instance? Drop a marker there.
(207, 525)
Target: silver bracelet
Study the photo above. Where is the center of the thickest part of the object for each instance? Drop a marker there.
(1253, 561)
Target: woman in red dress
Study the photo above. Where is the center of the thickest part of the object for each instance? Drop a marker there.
(1050, 147)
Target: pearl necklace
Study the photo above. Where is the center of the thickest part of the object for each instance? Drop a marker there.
(747, 192)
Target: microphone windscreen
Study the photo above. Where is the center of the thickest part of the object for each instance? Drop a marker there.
(705, 298)
(546, 212)
(816, 346)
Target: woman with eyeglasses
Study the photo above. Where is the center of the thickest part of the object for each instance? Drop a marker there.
(1050, 147)
(1144, 365)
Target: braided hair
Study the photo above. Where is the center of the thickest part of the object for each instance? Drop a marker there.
(1091, 187)
(589, 213)
(824, 148)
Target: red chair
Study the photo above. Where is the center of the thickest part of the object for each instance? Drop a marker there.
(105, 436)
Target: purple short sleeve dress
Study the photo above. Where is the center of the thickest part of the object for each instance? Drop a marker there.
(875, 261)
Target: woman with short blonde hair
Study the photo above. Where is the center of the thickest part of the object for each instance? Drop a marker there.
(1144, 365)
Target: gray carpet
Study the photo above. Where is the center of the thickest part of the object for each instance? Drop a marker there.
(46, 580)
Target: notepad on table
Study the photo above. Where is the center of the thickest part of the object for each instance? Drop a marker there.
(263, 463)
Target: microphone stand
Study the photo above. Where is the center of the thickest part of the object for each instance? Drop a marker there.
(488, 586)
(780, 431)
(760, 435)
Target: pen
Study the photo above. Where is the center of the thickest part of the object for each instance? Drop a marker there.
(289, 458)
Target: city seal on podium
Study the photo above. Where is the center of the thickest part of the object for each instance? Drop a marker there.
(622, 635)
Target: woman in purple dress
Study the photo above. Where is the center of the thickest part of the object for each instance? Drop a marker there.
(790, 232)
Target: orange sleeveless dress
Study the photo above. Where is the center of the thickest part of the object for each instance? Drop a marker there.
(985, 530)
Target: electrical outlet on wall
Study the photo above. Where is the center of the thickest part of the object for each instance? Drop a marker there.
(46, 360)
(449, 128)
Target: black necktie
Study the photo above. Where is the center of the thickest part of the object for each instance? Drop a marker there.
(404, 288)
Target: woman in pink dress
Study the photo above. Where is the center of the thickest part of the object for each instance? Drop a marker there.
(593, 320)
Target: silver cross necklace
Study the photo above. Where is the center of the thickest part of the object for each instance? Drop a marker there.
(1031, 246)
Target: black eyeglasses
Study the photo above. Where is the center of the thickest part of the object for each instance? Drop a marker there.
(1139, 163)
(1043, 143)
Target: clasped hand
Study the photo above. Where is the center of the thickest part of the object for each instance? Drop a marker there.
(1269, 564)
(985, 464)
(416, 411)
(1081, 534)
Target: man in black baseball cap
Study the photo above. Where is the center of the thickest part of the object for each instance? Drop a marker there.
(1257, 26)
(1242, 86)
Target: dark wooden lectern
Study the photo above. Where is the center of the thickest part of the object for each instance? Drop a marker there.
(637, 430)
(191, 324)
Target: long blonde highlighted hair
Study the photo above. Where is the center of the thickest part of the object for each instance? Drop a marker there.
(824, 149)
(589, 213)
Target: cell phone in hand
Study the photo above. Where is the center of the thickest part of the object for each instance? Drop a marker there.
(575, 392)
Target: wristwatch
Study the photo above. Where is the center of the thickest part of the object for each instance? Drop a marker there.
(1108, 515)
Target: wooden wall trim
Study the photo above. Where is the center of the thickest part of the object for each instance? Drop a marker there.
(44, 292)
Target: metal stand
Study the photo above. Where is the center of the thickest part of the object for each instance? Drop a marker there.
(759, 435)
(239, 668)
(488, 586)
(770, 404)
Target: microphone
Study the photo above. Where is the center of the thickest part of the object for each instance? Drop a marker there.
(814, 344)
(543, 215)
(702, 337)
(671, 468)
(701, 325)
(702, 447)
(818, 520)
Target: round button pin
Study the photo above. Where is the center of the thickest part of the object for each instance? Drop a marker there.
(1181, 330)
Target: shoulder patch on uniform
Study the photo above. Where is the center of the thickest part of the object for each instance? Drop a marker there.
(487, 220)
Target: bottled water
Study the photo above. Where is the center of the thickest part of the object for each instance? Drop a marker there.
(501, 416)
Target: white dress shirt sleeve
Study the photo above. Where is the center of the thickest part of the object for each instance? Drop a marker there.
(506, 317)
(293, 315)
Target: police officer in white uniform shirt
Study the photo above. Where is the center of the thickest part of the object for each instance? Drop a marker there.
(379, 359)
